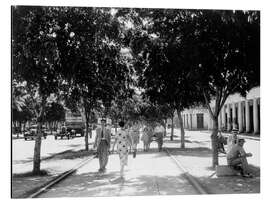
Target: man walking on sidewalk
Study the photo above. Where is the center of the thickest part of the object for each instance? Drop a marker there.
(102, 144)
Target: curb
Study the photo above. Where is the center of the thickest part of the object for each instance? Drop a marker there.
(189, 177)
(239, 135)
(244, 136)
(59, 178)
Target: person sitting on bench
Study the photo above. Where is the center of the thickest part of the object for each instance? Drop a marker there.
(237, 158)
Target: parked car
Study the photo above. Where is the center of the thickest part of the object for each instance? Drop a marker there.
(31, 133)
(65, 132)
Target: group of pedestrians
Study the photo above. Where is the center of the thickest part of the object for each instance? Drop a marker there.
(128, 137)
(150, 134)
(126, 140)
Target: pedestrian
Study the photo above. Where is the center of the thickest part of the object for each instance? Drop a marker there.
(122, 140)
(221, 142)
(159, 132)
(134, 132)
(146, 138)
(232, 139)
(237, 158)
(102, 144)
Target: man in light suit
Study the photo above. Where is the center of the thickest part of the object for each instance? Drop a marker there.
(102, 144)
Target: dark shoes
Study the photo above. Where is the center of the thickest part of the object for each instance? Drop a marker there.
(222, 151)
(134, 153)
(102, 170)
(247, 175)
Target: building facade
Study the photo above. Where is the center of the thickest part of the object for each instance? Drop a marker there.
(242, 113)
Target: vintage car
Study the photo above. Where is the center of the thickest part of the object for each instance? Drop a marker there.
(31, 133)
(64, 132)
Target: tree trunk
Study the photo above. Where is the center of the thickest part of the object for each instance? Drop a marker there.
(24, 124)
(165, 133)
(181, 129)
(115, 129)
(20, 129)
(51, 127)
(56, 126)
(86, 131)
(36, 164)
(91, 130)
(172, 128)
(86, 136)
(214, 142)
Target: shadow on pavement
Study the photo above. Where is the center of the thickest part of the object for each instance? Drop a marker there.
(109, 184)
(175, 141)
(231, 184)
(194, 151)
(70, 154)
(67, 154)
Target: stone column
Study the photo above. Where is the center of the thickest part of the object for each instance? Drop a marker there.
(187, 123)
(228, 117)
(190, 122)
(240, 124)
(184, 121)
(255, 116)
(247, 116)
(234, 116)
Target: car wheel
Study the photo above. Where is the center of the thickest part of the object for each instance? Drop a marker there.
(55, 137)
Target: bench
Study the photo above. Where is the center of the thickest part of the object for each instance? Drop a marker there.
(225, 170)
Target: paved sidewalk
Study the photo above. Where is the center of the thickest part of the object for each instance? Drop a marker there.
(151, 173)
(197, 159)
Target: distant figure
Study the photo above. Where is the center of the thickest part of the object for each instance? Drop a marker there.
(122, 140)
(232, 140)
(237, 158)
(102, 144)
(134, 133)
(147, 138)
(221, 142)
(159, 132)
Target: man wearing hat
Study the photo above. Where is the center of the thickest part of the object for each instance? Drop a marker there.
(237, 158)
(102, 144)
(232, 139)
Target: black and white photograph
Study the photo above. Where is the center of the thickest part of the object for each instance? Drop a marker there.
(134, 101)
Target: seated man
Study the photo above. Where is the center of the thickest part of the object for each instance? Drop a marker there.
(237, 158)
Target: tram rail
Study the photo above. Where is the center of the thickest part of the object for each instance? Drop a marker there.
(192, 180)
(59, 178)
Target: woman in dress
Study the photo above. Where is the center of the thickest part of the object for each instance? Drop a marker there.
(122, 140)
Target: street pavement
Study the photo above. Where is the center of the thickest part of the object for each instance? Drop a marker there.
(23, 151)
(150, 173)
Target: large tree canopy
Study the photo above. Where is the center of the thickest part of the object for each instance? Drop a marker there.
(189, 56)
(94, 59)
(227, 59)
